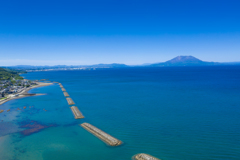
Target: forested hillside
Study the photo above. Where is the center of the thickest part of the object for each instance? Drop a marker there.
(8, 74)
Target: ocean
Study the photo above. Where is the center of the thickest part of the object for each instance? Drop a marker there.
(173, 113)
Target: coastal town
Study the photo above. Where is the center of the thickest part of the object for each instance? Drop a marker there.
(14, 87)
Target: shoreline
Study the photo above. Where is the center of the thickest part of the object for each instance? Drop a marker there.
(25, 93)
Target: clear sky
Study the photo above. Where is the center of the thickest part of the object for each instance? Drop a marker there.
(75, 32)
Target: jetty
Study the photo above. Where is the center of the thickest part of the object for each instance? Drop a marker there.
(70, 101)
(63, 89)
(76, 112)
(60, 84)
(55, 82)
(143, 156)
(66, 94)
(108, 139)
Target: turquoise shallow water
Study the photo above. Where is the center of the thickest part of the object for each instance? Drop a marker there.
(171, 113)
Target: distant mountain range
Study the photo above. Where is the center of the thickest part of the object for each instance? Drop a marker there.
(61, 67)
(177, 61)
(113, 65)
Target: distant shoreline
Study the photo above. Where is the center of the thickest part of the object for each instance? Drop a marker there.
(25, 93)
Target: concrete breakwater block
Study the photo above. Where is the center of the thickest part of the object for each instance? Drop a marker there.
(70, 101)
(143, 156)
(60, 85)
(63, 89)
(66, 94)
(55, 82)
(76, 112)
(108, 139)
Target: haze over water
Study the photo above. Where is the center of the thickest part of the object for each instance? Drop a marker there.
(173, 113)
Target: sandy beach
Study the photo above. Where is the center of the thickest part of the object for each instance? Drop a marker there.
(25, 93)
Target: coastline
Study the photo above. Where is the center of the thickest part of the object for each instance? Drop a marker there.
(25, 93)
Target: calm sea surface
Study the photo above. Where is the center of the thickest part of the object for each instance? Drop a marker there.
(173, 113)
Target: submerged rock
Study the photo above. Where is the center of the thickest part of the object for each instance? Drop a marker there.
(34, 127)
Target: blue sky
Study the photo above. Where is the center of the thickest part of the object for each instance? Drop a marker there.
(117, 31)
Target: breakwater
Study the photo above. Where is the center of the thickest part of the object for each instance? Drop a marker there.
(108, 139)
(66, 94)
(70, 101)
(76, 112)
(63, 89)
(143, 156)
(29, 94)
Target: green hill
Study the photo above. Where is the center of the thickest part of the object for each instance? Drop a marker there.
(7, 74)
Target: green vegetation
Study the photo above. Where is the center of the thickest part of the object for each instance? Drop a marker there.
(3, 98)
(9, 74)
(13, 81)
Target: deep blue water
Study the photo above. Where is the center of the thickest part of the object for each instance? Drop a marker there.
(173, 113)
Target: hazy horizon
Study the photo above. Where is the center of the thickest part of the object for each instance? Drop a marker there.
(112, 63)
